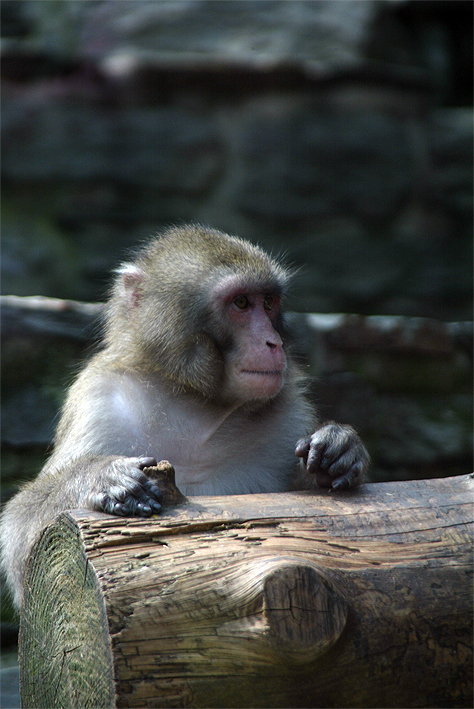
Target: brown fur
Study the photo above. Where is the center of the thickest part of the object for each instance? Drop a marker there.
(175, 380)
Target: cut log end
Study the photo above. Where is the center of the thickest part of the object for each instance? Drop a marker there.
(65, 653)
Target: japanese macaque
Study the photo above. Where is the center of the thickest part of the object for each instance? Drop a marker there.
(196, 370)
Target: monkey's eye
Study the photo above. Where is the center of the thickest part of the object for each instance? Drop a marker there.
(269, 302)
(241, 302)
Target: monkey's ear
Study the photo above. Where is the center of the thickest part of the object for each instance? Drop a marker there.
(132, 278)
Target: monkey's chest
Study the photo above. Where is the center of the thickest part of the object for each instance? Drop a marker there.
(214, 452)
(224, 464)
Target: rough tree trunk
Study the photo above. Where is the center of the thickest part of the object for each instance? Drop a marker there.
(285, 600)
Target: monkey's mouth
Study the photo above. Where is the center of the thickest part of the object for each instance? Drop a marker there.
(263, 373)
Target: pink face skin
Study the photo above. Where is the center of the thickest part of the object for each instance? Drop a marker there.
(256, 367)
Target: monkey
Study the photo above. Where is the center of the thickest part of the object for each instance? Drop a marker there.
(195, 368)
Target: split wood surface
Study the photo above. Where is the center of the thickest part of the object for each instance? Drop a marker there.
(304, 599)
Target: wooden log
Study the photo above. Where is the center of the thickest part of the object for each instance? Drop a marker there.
(305, 599)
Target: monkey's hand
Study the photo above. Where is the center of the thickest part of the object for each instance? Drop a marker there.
(335, 455)
(126, 490)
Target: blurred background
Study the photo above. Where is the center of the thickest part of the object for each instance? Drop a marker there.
(335, 132)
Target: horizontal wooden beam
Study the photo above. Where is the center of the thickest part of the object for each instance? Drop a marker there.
(304, 599)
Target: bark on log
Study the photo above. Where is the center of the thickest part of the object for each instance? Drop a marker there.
(306, 599)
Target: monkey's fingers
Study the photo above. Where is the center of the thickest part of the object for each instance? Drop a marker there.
(336, 456)
(153, 491)
(144, 489)
(141, 501)
(135, 508)
(104, 503)
(321, 448)
(350, 478)
(302, 448)
(346, 471)
(130, 506)
(143, 497)
(327, 445)
(137, 496)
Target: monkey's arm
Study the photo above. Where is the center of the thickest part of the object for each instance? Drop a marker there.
(112, 484)
(117, 485)
(335, 455)
(101, 447)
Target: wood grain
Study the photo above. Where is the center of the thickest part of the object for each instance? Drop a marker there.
(305, 599)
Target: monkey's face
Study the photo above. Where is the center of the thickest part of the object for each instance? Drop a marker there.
(255, 364)
(202, 310)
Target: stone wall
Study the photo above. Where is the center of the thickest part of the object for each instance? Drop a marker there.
(337, 133)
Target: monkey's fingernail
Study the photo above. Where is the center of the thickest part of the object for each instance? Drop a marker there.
(156, 507)
(118, 510)
(156, 492)
(147, 461)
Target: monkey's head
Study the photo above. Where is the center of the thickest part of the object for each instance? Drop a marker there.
(203, 309)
